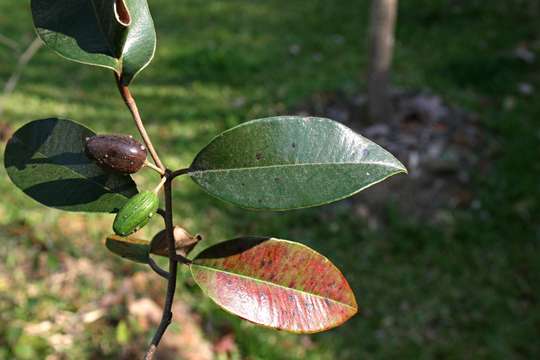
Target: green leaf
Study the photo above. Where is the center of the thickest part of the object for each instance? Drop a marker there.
(140, 45)
(282, 163)
(46, 159)
(130, 248)
(275, 283)
(115, 34)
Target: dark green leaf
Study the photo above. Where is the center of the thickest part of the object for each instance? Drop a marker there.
(116, 34)
(129, 248)
(46, 159)
(276, 283)
(285, 163)
(140, 45)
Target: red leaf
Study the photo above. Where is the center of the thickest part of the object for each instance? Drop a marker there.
(276, 283)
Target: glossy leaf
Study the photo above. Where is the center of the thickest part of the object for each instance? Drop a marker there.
(285, 163)
(276, 283)
(115, 34)
(46, 159)
(130, 248)
(140, 45)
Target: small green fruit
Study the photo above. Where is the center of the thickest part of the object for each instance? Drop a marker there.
(136, 213)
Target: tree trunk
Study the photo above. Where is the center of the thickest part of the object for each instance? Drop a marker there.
(381, 48)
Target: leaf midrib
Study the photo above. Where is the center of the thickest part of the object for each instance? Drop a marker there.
(275, 285)
(382, 164)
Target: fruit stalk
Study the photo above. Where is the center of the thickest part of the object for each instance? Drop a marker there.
(154, 167)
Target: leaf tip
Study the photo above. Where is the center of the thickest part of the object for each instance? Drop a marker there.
(397, 165)
(402, 169)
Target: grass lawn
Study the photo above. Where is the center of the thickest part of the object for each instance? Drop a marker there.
(465, 290)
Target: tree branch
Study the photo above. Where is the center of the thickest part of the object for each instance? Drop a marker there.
(166, 317)
(23, 60)
(10, 43)
(167, 177)
(381, 50)
(132, 106)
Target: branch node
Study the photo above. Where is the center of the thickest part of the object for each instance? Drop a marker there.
(180, 172)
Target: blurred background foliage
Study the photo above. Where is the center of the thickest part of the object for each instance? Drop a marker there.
(460, 280)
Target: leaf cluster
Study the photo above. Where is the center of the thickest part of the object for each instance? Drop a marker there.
(273, 164)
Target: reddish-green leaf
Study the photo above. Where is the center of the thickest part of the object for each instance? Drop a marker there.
(276, 283)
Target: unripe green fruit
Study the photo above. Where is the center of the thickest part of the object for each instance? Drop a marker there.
(136, 213)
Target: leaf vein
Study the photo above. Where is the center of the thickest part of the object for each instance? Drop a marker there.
(275, 285)
(382, 164)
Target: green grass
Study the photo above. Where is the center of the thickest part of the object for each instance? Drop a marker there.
(466, 290)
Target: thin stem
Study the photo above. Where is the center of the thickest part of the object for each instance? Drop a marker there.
(22, 62)
(160, 185)
(182, 259)
(166, 317)
(12, 44)
(132, 106)
(161, 212)
(180, 172)
(157, 269)
(154, 167)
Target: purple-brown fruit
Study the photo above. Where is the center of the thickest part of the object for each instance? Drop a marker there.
(119, 153)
